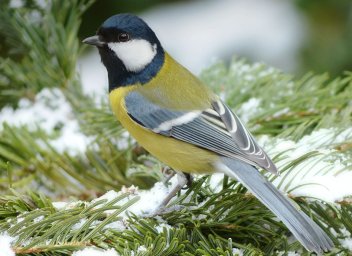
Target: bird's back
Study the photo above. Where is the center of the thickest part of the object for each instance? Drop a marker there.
(176, 88)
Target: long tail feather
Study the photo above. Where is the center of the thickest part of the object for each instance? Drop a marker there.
(311, 236)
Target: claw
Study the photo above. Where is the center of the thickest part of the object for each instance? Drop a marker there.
(168, 173)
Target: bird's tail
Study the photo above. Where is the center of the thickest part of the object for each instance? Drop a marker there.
(311, 236)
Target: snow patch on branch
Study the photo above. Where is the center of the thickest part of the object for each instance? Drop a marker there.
(51, 112)
(5, 245)
(322, 174)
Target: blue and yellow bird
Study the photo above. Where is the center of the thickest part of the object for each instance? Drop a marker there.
(175, 117)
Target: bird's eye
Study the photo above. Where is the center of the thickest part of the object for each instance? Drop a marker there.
(123, 37)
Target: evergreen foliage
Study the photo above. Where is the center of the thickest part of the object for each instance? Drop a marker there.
(211, 221)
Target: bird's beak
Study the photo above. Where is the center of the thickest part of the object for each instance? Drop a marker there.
(93, 40)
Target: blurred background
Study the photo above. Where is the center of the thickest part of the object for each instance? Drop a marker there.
(296, 36)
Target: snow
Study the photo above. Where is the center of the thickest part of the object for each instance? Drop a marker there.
(117, 225)
(141, 248)
(237, 252)
(149, 199)
(67, 205)
(289, 253)
(148, 203)
(93, 251)
(215, 182)
(160, 228)
(5, 245)
(38, 219)
(49, 111)
(42, 3)
(322, 175)
(59, 205)
(248, 109)
(16, 4)
(79, 224)
(71, 139)
(281, 112)
(346, 241)
(109, 196)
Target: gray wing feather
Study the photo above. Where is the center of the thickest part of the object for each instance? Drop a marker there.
(243, 138)
(198, 131)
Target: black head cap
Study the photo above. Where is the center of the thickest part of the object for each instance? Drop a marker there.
(126, 23)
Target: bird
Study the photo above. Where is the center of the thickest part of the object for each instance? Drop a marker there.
(179, 120)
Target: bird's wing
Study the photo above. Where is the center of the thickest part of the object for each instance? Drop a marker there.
(217, 129)
(243, 138)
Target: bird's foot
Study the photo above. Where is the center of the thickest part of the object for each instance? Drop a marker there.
(168, 173)
(184, 181)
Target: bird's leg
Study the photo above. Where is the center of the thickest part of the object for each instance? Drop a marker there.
(181, 182)
(183, 179)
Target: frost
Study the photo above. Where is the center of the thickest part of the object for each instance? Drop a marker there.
(117, 225)
(281, 112)
(109, 196)
(16, 4)
(346, 243)
(79, 224)
(161, 226)
(59, 205)
(38, 219)
(20, 219)
(249, 109)
(141, 248)
(5, 245)
(41, 3)
(215, 182)
(51, 112)
(66, 205)
(149, 200)
(237, 252)
(320, 176)
(289, 253)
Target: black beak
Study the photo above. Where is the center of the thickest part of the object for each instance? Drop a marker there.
(93, 40)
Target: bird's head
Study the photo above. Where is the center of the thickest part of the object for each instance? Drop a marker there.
(129, 49)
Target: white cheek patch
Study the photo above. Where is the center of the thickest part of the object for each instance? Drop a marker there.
(135, 54)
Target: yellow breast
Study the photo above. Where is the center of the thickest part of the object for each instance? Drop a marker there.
(174, 153)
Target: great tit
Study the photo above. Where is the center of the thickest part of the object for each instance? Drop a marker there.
(175, 117)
